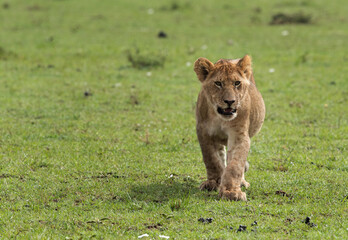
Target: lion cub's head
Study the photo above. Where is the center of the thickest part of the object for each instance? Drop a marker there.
(224, 83)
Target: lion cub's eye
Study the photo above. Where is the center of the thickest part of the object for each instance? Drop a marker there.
(217, 83)
(236, 83)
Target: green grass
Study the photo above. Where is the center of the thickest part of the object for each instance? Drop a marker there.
(124, 160)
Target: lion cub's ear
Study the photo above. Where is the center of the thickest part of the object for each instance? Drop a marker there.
(245, 65)
(202, 68)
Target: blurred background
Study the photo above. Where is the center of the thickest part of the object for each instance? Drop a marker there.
(56, 54)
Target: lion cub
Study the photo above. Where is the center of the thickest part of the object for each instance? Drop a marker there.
(230, 110)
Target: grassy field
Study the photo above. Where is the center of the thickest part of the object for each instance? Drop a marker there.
(97, 127)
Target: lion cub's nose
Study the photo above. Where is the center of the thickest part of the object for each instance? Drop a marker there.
(229, 102)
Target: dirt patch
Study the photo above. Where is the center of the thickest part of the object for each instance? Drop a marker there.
(134, 100)
(5, 5)
(154, 226)
(5, 175)
(5, 54)
(282, 193)
(34, 8)
(296, 18)
(107, 175)
(145, 60)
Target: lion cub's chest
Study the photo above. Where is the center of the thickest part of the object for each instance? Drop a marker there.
(218, 129)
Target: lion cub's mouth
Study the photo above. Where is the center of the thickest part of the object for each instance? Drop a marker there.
(226, 111)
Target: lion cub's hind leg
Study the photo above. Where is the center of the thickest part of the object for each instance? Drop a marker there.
(223, 155)
(244, 182)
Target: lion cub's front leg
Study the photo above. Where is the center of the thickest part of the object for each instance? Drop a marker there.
(211, 151)
(233, 176)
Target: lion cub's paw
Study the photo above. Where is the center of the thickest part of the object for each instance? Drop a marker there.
(209, 185)
(245, 184)
(233, 195)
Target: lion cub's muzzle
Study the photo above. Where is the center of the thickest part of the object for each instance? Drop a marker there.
(226, 111)
(229, 110)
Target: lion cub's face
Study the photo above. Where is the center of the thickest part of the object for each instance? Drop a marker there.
(224, 84)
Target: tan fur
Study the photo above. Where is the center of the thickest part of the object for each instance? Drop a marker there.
(230, 110)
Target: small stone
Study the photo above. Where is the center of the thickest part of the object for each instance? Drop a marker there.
(254, 223)
(307, 220)
(205, 220)
(241, 228)
(150, 11)
(144, 235)
(163, 236)
(309, 223)
(87, 93)
(285, 33)
(162, 34)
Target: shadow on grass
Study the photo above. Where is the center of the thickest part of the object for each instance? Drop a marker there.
(166, 191)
